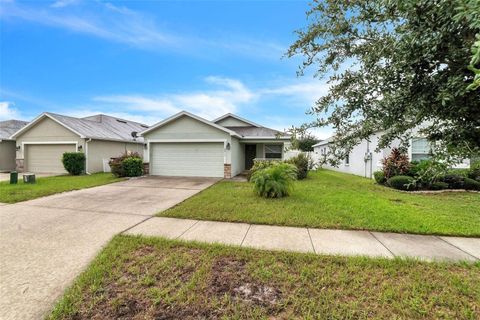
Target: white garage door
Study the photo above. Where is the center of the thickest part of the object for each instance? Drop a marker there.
(204, 159)
(46, 157)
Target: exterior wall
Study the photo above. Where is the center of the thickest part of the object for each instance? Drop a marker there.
(238, 157)
(232, 122)
(365, 168)
(46, 130)
(189, 129)
(7, 155)
(100, 149)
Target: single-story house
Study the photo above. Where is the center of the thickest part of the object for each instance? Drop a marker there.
(7, 145)
(188, 145)
(41, 144)
(363, 160)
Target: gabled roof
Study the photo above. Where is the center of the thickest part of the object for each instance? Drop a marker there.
(188, 114)
(231, 115)
(99, 127)
(9, 127)
(323, 142)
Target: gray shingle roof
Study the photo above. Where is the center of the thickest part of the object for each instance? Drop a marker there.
(260, 132)
(9, 127)
(102, 127)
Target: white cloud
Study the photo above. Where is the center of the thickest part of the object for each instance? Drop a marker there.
(7, 111)
(308, 91)
(121, 24)
(228, 96)
(106, 21)
(63, 3)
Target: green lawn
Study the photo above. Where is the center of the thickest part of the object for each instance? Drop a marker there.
(51, 185)
(329, 199)
(153, 278)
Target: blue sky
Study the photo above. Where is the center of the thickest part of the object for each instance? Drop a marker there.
(146, 60)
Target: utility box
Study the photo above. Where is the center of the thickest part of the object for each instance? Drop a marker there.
(28, 178)
(13, 177)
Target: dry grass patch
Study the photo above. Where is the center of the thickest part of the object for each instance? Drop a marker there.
(152, 278)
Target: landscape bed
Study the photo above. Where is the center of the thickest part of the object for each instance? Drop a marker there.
(329, 199)
(12, 193)
(154, 278)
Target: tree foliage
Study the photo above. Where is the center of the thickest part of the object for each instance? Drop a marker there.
(393, 66)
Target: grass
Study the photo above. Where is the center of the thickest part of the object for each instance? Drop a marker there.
(154, 278)
(329, 199)
(51, 185)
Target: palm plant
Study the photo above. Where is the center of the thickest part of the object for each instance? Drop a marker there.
(275, 181)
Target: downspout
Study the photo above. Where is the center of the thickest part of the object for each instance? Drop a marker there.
(86, 155)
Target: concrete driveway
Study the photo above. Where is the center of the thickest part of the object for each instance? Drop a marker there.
(45, 243)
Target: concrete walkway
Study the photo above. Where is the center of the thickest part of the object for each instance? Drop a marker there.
(320, 241)
(46, 243)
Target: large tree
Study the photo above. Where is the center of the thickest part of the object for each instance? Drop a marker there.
(392, 66)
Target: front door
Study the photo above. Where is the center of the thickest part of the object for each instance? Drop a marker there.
(250, 154)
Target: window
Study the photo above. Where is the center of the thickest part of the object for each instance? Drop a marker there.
(273, 151)
(347, 159)
(421, 149)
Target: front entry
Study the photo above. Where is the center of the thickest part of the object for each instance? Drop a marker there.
(250, 154)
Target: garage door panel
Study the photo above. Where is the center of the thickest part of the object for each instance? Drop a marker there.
(47, 157)
(187, 159)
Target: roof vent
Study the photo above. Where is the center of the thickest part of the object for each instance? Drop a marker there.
(122, 121)
(134, 134)
(144, 126)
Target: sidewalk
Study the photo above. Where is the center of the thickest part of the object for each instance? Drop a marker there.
(320, 241)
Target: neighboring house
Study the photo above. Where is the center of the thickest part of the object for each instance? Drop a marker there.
(188, 145)
(41, 144)
(7, 145)
(363, 160)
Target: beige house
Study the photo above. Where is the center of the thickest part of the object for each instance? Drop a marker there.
(188, 145)
(41, 144)
(7, 145)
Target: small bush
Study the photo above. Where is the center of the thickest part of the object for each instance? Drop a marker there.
(275, 181)
(402, 183)
(259, 165)
(302, 162)
(133, 167)
(379, 177)
(438, 185)
(459, 172)
(120, 165)
(74, 162)
(474, 172)
(427, 172)
(470, 184)
(395, 164)
(454, 181)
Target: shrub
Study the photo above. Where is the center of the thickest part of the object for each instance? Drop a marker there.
(133, 167)
(74, 162)
(259, 165)
(427, 172)
(395, 164)
(402, 183)
(459, 172)
(470, 184)
(120, 165)
(438, 185)
(275, 181)
(302, 162)
(379, 177)
(454, 181)
(474, 172)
